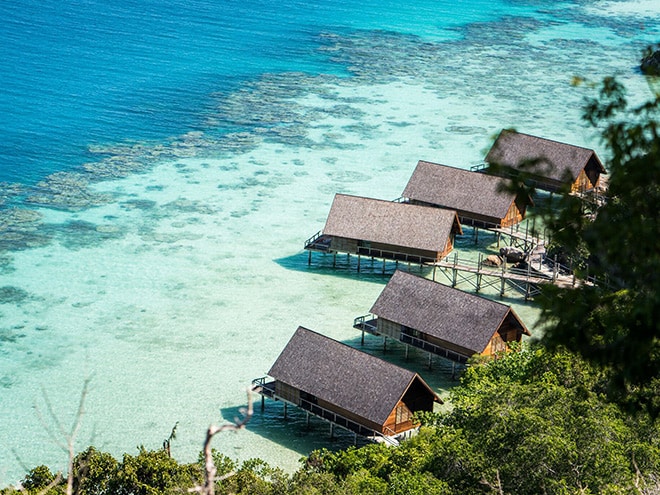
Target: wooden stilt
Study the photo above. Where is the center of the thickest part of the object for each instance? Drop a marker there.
(479, 272)
(430, 361)
(358, 266)
(309, 257)
(307, 419)
(434, 269)
(332, 431)
(529, 271)
(383, 266)
(363, 336)
(285, 410)
(354, 438)
(334, 260)
(453, 370)
(407, 347)
(384, 344)
(263, 403)
(476, 235)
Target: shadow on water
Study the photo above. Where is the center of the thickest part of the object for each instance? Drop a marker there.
(345, 266)
(294, 432)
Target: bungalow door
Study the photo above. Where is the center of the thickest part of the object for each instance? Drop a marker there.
(403, 419)
(497, 344)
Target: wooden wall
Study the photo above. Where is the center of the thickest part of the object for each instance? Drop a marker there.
(388, 251)
(388, 328)
(344, 245)
(392, 423)
(287, 392)
(393, 330)
(513, 216)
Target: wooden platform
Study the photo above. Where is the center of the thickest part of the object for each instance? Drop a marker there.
(267, 389)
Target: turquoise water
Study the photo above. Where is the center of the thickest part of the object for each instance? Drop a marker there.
(163, 165)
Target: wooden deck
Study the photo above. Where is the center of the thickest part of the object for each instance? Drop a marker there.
(367, 323)
(267, 389)
(321, 243)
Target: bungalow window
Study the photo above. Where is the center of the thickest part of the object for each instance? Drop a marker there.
(411, 332)
(402, 414)
(364, 247)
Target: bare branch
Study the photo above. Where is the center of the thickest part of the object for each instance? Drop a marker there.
(54, 418)
(71, 438)
(68, 445)
(210, 469)
(496, 488)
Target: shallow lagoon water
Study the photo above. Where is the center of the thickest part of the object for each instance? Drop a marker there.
(170, 272)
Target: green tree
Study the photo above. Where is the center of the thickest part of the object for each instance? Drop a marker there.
(40, 478)
(544, 429)
(93, 472)
(616, 322)
(152, 472)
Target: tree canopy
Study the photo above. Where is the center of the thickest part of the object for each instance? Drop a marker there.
(616, 321)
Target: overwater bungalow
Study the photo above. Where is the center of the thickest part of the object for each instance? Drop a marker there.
(387, 230)
(479, 199)
(347, 387)
(441, 320)
(551, 164)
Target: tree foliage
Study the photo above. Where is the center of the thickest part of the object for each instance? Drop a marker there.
(616, 322)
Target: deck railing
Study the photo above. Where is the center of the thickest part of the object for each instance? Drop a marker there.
(346, 423)
(260, 386)
(394, 255)
(433, 348)
(313, 239)
(479, 167)
(367, 323)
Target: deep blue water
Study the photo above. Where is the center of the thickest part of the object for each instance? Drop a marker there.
(76, 73)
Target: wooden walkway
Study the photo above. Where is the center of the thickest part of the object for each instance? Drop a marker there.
(525, 278)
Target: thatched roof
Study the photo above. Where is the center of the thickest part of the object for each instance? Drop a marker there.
(387, 222)
(555, 159)
(341, 375)
(463, 319)
(458, 189)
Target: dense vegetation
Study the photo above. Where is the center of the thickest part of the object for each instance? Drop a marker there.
(576, 413)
